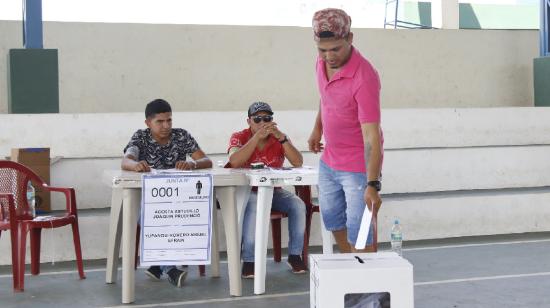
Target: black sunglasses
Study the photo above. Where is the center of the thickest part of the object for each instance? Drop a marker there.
(265, 118)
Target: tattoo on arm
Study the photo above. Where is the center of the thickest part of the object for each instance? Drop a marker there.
(368, 151)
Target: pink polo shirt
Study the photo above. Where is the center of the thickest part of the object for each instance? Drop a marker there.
(352, 97)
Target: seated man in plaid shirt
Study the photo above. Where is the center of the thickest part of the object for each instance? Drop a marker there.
(162, 147)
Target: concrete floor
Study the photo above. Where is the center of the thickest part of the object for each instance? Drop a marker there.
(496, 271)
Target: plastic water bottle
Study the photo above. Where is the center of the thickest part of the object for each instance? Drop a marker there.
(396, 238)
(31, 199)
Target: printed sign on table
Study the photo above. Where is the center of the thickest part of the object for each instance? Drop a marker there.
(176, 219)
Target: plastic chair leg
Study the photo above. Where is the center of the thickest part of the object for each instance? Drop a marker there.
(14, 261)
(304, 192)
(276, 237)
(22, 243)
(78, 250)
(35, 250)
(307, 233)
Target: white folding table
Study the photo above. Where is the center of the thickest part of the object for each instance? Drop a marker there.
(232, 191)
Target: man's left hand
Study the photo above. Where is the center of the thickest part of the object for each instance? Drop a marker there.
(372, 197)
(274, 130)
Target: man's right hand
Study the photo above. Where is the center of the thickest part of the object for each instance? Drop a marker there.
(141, 166)
(314, 142)
(264, 130)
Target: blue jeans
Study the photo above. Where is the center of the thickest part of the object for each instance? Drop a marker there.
(341, 200)
(283, 201)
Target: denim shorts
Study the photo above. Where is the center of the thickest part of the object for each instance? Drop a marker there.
(341, 199)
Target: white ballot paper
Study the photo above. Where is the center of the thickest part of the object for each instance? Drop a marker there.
(364, 229)
(176, 219)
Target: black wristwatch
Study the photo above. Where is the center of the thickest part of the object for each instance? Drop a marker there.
(376, 184)
(285, 139)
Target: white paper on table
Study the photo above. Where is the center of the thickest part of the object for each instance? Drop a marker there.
(287, 170)
(364, 229)
(168, 171)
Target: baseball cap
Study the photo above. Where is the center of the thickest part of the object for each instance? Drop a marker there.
(259, 106)
(331, 23)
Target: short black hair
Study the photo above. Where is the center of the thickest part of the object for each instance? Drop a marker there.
(326, 34)
(157, 106)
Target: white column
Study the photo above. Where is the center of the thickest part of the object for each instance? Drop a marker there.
(445, 14)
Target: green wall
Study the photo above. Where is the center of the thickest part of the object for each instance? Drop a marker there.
(33, 81)
(541, 70)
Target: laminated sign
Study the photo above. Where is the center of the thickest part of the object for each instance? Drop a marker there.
(176, 219)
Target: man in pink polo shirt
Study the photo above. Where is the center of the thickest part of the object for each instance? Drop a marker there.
(349, 119)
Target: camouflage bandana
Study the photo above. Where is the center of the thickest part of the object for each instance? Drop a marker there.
(335, 21)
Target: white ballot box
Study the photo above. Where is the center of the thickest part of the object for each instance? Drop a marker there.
(332, 276)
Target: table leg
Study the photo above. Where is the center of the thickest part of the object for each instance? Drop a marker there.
(228, 205)
(130, 208)
(263, 210)
(115, 228)
(242, 193)
(214, 247)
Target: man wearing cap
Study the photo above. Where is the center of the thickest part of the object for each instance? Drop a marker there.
(263, 142)
(349, 120)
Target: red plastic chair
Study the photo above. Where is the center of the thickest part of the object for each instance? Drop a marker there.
(13, 179)
(304, 192)
(7, 210)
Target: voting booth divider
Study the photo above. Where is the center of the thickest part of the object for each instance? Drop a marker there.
(333, 276)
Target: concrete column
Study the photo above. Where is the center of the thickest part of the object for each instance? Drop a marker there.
(445, 14)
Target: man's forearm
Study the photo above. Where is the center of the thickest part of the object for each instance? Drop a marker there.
(373, 159)
(293, 155)
(318, 127)
(203, 163)
(240, 157)
(128, 164)
(373, 149)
